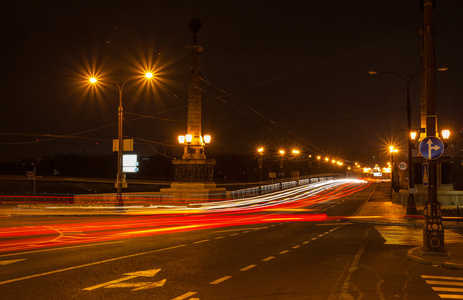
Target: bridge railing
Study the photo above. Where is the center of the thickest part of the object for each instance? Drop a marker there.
(273, 187)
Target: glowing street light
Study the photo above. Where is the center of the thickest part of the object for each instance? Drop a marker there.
(394, 173)
(120, 179)
(261, 163)
(445, 134)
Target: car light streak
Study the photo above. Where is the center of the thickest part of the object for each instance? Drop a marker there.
(292, 205)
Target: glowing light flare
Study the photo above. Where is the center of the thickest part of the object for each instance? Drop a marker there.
(181, 139)
(188, 138)
(445, 134)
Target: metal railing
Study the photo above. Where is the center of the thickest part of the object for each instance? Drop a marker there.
(273, 187)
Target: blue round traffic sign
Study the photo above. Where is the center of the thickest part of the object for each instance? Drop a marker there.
(431, 147)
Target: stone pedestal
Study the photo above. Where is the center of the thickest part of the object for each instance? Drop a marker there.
(193, 182)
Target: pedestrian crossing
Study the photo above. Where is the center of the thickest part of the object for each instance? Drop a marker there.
(446, 287)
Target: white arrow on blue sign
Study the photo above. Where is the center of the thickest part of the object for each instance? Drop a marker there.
(431, 147)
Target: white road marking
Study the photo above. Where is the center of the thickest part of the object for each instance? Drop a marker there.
(248, 267)
(88, 265)
(8, 262)
(295, 247)
(268, 258)
(203, 241)
(285, 251)
(241, 229)
(447, 289)
(219, 237)
(60, 248)
(184, 296)
(444, 283)
(441, 277)
(147, 273)
(220, 280)
(450, 296)
(233, 234)
(306, 242)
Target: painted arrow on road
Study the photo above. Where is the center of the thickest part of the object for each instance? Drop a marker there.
(119, 283)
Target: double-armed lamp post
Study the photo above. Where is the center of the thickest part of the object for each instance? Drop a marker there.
(120, 180)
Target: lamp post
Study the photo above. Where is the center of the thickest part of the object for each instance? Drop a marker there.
(120, 180)
(261, 163)
(393, 150)
(281, 161)
(296, 153)
(411, 205)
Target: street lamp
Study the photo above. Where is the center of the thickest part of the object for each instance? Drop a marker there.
(394, 173)
(261, 163)
(120, 179)
(411, 205)
(296, 153)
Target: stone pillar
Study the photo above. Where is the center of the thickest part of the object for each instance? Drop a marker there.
(194, 173)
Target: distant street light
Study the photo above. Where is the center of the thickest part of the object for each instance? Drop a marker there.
(261, 163)
(394, 173)
(296, 153)
(411, 205)
(120, 180)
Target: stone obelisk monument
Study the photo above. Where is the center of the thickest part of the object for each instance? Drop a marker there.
(193, 172)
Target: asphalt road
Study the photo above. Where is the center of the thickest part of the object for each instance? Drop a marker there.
(279, 259)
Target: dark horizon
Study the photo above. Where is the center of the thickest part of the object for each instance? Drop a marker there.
(292, 74)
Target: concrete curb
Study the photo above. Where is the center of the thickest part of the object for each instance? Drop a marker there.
(416, 254)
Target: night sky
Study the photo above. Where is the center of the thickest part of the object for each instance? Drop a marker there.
(276, 73)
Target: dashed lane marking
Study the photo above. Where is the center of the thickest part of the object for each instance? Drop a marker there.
(184, 296)
(284, 252)
(295, 247)
(233, 234)
(220, 280)
(219, 237)
(248, 268)
(268, 258)
(203, 241)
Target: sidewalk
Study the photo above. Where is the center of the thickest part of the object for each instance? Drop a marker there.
(380, 211)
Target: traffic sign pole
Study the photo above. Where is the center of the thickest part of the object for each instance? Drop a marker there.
(433, 231)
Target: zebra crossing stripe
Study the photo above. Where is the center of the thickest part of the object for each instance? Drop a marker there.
(442, 284)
